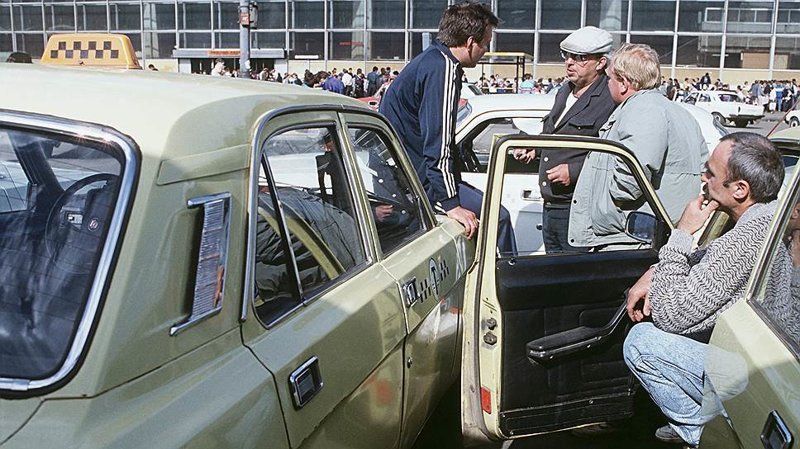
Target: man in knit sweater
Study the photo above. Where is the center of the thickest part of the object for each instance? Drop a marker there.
(686, 290)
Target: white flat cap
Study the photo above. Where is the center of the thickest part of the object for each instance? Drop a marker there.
(588, 41)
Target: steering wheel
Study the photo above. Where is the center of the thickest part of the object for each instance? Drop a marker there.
(74, 230)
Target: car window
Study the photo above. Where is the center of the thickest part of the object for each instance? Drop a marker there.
(778, 297)
(547, 216)
(482, 138)
(704, 98)
(691, 99)
(57, 201)
(307, 235)
(394, 206)
(730, 98)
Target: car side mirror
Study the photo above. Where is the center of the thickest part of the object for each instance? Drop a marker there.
(641, 226)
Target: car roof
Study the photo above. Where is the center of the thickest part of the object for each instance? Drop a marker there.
(483, 103)
(203, 113)
(789, 135)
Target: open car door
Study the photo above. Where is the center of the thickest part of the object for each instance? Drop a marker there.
(543, 333)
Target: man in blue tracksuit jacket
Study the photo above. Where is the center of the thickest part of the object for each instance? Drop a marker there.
(421, 104)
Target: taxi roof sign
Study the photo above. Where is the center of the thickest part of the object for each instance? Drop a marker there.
(91, 50)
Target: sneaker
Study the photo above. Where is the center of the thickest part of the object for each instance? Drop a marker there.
(666, 434)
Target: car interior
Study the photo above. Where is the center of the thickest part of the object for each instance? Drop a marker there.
(62, 194)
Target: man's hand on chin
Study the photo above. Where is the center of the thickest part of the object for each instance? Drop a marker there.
(696, 214)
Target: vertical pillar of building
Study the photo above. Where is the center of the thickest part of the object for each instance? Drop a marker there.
(724, 41)
(537, 20)
(325, 35)
(44, 26)
(147, 41)
(244, 39)
(773, 41)
(675, 40)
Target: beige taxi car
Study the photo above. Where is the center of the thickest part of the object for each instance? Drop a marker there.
(209, 262)
(195, 261)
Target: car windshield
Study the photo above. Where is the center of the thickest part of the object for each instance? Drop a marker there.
(57, 197)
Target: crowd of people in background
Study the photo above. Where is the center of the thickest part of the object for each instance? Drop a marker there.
(351, 82)
(773, 95)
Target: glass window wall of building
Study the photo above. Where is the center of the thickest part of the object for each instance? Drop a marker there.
(610, 15)
(426, 13)
(271, 15)
(517, 14)
(560, 15)
(387, 14)
(760, 35)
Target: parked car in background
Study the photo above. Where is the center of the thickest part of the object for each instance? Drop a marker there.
(469, 90)
(725, 106)
(485, 119)
(792, 118)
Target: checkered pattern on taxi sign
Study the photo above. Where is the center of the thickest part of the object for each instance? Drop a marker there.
(93, 50)
(107, 50)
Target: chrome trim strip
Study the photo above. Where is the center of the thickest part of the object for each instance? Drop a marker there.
(100, 134)
(209, 284)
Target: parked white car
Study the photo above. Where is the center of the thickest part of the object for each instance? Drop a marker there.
(792, 119)
(469, 90)
(483, 120)
(726, 106)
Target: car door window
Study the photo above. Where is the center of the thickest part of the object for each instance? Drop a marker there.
(477, 145)
(394, 206)
(56, 212)
(307, 237)
(533, 214)
(704, 98)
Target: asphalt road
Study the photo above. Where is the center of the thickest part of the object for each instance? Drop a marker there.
(443, 431)
(765, 125)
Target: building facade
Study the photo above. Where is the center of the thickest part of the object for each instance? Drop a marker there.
(729, 39)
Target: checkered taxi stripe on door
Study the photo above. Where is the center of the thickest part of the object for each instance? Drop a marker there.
(85, 50)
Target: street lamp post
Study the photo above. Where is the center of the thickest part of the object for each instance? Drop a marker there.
(248, 17)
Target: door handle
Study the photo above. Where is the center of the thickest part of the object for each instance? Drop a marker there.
(305, 382)
(775, 434)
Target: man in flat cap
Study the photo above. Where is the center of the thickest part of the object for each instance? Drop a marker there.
(581, 107)
(663, 136)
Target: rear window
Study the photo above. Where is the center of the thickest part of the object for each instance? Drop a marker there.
(57, 200)
(730, 98)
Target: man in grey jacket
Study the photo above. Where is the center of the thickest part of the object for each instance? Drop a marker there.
(663, 136)
(686, 291)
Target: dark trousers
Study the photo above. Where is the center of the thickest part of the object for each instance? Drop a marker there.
(555, 231)
(472, 199)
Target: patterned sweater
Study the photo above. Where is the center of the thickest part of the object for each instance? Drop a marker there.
(690, 289)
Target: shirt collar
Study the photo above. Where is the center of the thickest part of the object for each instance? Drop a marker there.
(445, 51)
